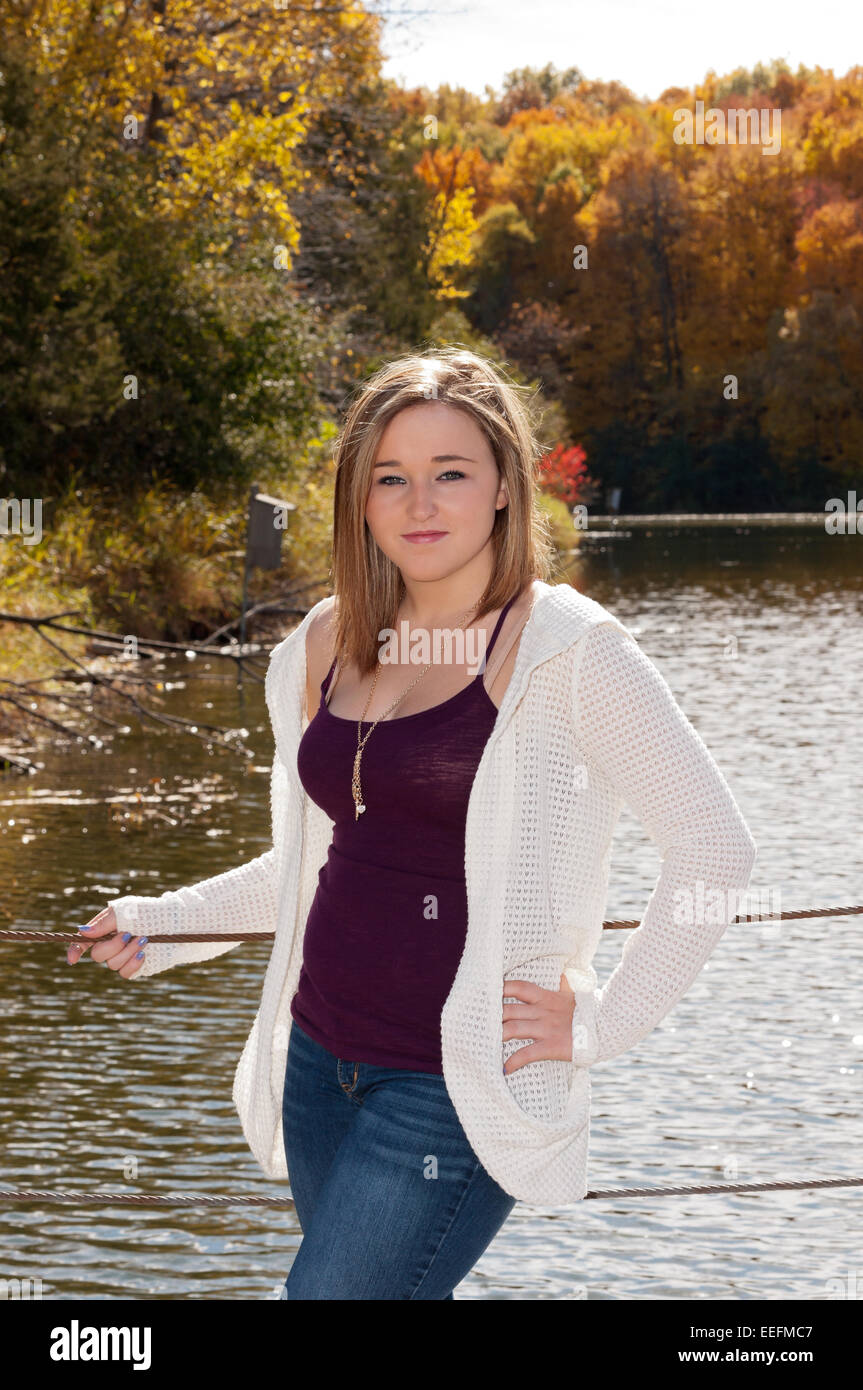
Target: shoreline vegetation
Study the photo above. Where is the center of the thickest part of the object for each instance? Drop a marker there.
(162, 566)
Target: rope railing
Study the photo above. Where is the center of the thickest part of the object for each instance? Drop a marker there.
(24, 934)
(141, 1199)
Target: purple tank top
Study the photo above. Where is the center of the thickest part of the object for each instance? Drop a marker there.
(386, 928)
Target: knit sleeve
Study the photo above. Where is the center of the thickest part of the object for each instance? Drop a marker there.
(632, 732)
(240, 899)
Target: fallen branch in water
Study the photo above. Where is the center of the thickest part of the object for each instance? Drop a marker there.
(231, 650)
(16, 760)
(113, 685)
(144, 646)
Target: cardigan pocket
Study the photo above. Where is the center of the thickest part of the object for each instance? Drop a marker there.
(564, 1088)
(576, 1110)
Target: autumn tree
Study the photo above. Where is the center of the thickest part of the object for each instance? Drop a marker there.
(170, 187)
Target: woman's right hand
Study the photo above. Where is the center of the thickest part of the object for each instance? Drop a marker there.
(118, 952)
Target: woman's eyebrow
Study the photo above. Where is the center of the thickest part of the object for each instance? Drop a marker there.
(438, 458)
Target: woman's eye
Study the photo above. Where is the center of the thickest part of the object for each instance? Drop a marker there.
(394, 477)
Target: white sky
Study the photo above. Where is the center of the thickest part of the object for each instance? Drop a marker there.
(646, 46)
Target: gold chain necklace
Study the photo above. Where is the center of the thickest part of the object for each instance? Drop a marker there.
(356, 789)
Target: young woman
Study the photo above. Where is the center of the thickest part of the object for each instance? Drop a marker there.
(441, 840)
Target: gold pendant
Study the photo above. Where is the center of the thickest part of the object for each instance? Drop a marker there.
(358, 805)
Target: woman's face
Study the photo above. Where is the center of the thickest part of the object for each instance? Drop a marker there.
(435, 473)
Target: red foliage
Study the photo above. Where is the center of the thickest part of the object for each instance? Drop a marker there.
(563, 474)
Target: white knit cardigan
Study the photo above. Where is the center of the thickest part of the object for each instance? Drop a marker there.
(587, 723)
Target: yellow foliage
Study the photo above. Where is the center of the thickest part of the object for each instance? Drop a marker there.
(214, 91)
(450, 240)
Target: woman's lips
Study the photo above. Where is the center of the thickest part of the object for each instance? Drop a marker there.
(424, 537)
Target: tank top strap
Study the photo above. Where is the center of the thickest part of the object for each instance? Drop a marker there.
(328, 677)
(498, 625)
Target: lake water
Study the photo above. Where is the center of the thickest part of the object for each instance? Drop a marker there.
(756, 1073)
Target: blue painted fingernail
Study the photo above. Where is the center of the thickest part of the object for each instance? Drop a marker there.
(127, 936)
(142, 939)
(140, 955)
(89, 927)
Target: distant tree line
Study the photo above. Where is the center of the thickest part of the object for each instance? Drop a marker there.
(213, 223)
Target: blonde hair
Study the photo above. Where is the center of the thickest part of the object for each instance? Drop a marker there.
(367, 584)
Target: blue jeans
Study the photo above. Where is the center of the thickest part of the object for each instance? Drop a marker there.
(392, 1201)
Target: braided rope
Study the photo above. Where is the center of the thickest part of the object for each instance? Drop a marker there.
(21, 934)
(126, 1199)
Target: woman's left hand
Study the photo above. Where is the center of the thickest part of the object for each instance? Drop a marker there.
(542, 1014)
